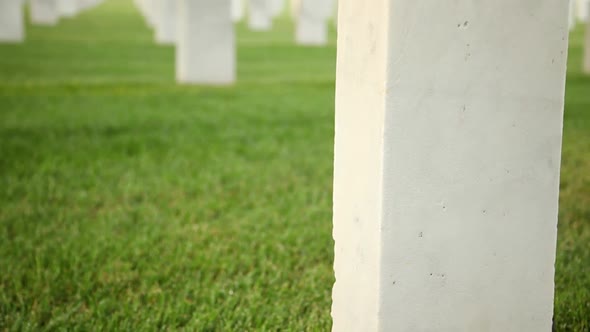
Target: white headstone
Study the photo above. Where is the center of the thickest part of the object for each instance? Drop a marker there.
(205, 52)
(44, 12)
(277, 7)
(12, 28)
(148, 10)
(294, 7)
(582, 10)
(447, 156)
(312, 18)
(237, 10)
(67, 8)
(165, 17)
(260, 15)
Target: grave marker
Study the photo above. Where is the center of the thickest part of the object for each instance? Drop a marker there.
(205, 52)
(44, 12)
(12, 27)
(260, 15)
(447, 155)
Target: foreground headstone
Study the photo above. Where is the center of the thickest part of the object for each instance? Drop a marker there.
(205, 52)
(12, 28)
(312, 19)
(260, 15)
(165, 16)
(447, 155)
(44, 12)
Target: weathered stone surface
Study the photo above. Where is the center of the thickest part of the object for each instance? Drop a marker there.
(447, 155)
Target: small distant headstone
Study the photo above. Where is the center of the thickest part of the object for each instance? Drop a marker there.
(67, 8)
(205, 51)
(44, 12)
(312, 18)
(12, 28)
(260, 15)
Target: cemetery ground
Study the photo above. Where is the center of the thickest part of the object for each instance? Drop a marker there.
(128, 202)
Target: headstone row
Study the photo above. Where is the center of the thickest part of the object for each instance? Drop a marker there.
(203, 31)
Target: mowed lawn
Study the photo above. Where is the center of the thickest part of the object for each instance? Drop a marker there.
(130, 203)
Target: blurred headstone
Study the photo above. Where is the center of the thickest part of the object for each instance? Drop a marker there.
(312, 19)
(165, 22)
(237, 10)
(12, 27)
(260, 15)
(205, 51)
(44, 12)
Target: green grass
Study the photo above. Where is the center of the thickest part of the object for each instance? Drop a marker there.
(130, 203)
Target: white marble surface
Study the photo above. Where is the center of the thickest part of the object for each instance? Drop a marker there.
(447, 156)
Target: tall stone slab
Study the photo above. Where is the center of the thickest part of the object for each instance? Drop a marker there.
(447, 156)
(312, 19)
(165, 16)
(12, 28)
(44, 12)
(260, 15)
(205, 52)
